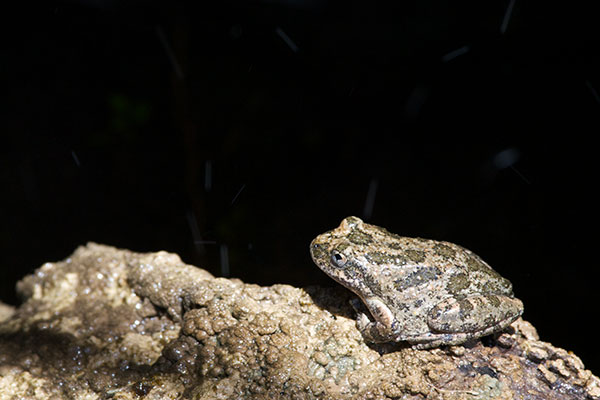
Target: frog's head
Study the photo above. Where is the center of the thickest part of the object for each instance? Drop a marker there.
(339, 252)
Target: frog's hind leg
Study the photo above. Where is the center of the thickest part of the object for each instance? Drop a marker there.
(476, 316)
(454, 322)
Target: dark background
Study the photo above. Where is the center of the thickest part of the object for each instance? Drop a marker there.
(232, 134)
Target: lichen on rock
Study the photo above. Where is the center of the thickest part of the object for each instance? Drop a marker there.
(110, 323)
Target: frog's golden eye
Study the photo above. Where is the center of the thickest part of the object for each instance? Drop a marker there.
(338, 259)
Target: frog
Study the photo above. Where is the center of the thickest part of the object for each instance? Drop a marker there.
(420, 292)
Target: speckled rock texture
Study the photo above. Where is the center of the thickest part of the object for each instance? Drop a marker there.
(109, 323)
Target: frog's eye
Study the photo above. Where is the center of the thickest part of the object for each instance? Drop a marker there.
(338, 259)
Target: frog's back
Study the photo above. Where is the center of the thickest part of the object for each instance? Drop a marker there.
(418, 260)
(464, 272)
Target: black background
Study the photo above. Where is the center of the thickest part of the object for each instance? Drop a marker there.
(247, 128)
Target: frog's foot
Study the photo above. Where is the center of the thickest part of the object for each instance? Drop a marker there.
(372, 331)
(432, 340)
(382, 328)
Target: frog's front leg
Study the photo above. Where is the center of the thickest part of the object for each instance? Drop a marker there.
(475, 316)
(382, 328)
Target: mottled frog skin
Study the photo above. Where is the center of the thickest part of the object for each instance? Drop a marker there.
(423, 292)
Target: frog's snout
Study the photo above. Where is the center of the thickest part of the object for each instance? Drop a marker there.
(317, 251)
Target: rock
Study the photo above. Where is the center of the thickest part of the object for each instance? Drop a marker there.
(110, 323)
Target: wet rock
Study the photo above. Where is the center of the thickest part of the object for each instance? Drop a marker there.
(110, 323)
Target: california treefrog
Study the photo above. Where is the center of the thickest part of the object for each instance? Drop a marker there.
(423, 292)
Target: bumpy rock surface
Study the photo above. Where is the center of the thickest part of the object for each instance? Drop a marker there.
(109, 323)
